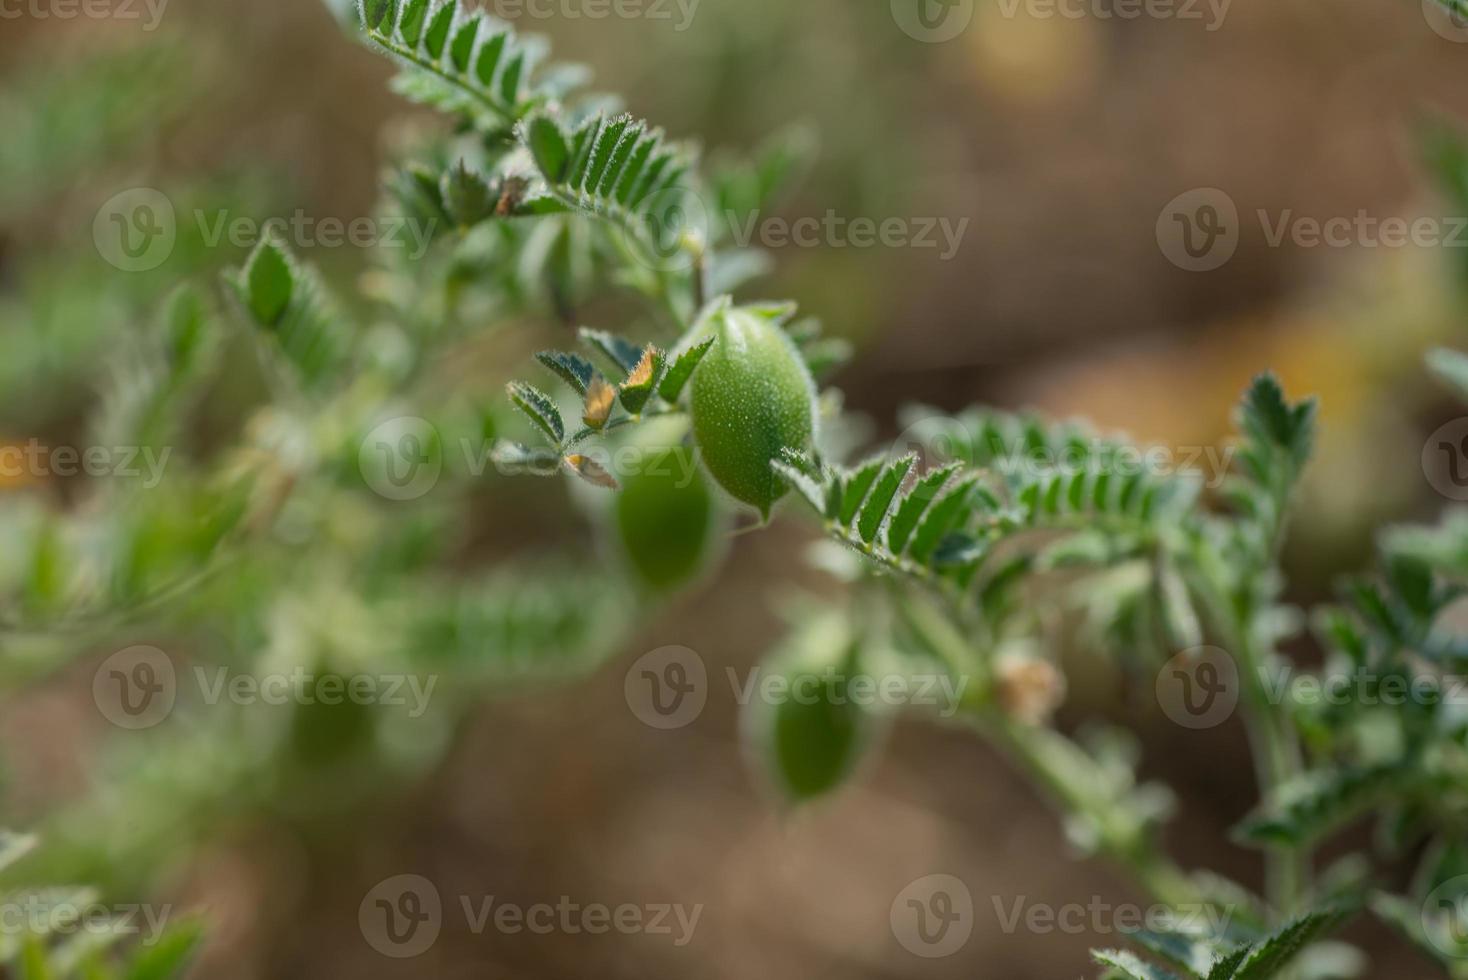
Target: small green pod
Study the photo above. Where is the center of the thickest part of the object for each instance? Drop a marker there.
(752, 396)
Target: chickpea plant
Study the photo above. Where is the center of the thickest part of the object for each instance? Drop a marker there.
(707, 407)
(955, 548)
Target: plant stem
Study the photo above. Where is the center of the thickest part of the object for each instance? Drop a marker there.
(1273, 747)
(1061, 768)
(1277, 761)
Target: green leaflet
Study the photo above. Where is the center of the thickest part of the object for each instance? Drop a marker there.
(461, 49)
(642, 379)
(790, 468)
(1123, 965)
(268, 282)
(289, 301)
(616, 350)
(948, 511)
(677, 375)
(548, 147)
(912, 506)
(458, 60)
(855, 489)
(1198, 957)
(466, 196)
(879, 501)
(539, 408)
(573, 369)
(410, 27)
(1314, 805)
(438, 31)
(1269, 419)
(1269, 955)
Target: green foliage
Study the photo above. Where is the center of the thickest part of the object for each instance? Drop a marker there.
(1199, 957)
(458, 60)
(606, 166)
(962, 543)
(305, 332)
(988, 514)
(56, 934)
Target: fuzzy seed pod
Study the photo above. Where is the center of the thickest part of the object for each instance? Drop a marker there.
(752, 396)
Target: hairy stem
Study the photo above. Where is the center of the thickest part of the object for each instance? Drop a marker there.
(1273, 746)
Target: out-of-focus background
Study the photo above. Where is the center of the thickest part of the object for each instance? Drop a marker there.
(1056, 137)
